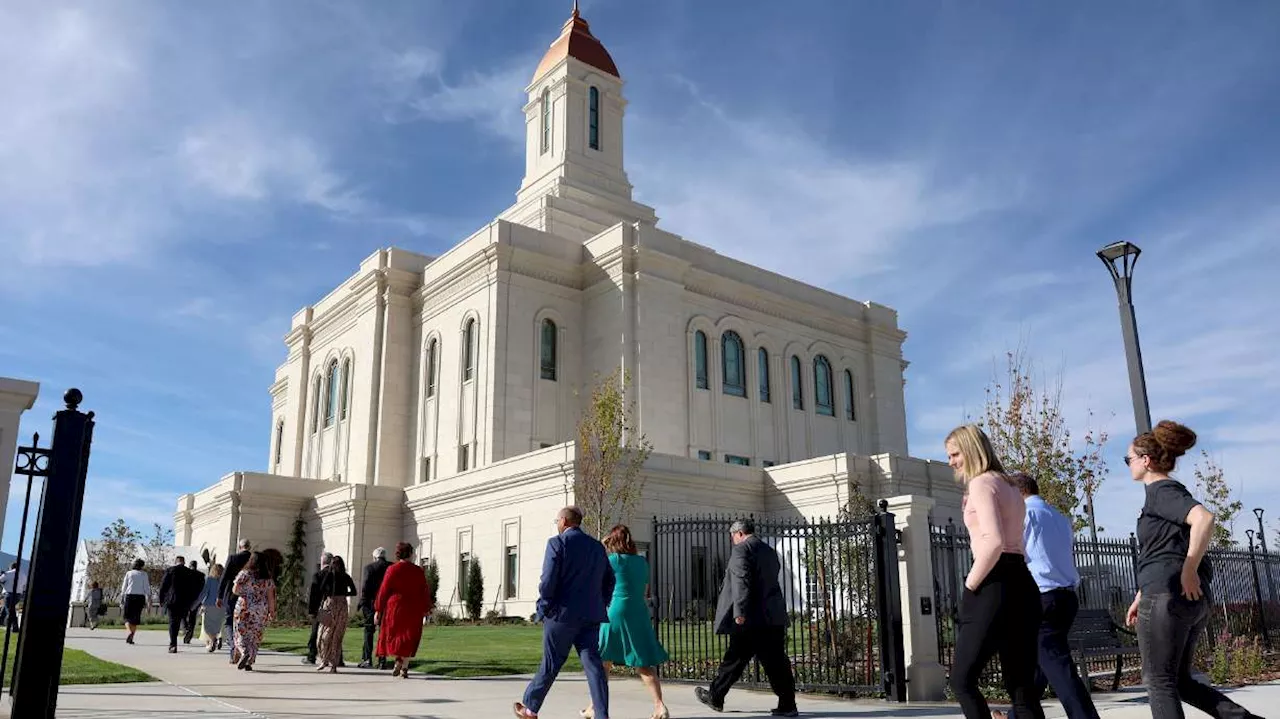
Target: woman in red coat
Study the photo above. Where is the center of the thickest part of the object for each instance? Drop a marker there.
(403, 602)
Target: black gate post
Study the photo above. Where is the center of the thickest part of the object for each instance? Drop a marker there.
(1257, 592)
(38, 667)
(893, 656)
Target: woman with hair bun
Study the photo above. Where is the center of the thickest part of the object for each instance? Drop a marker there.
(404, 600)
(1173, 600)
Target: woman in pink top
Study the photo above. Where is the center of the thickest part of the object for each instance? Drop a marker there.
(1000, 608)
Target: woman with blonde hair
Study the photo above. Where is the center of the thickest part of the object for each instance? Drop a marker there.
(628, 637)
(1000, 607)
(213, 626)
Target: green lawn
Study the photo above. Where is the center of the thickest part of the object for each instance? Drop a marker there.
(455, 651)
(83, 668)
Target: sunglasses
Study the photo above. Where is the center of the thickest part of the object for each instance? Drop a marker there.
(1128, 459)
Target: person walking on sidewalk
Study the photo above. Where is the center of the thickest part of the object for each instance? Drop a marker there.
(332, 617)
(227, 598)
(94, 611)
(255, 608)
(314, 599)
(1047, 535)
(402, 605)
(1000, 606)
(179, 589)
(573, 593)
(1174, 598)
(371, 582)
(212, 624)
(753, 612)
(135, 593)
(189, 622)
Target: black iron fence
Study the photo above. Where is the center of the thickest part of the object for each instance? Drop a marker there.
(1246, 601)
(839, 579)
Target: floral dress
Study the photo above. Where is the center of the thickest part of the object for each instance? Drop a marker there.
(251, 613)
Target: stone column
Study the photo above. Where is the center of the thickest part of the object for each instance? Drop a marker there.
(16, 397)
(926, 680)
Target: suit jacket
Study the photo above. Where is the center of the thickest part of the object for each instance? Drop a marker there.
(751, 588)
(235, 563)
(316, 595)
(371, 581)
(577, 582)
(180, 587)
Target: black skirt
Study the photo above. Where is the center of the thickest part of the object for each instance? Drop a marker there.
(132, 608)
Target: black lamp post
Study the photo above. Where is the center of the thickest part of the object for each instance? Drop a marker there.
(1266, 559)
(1120, 258)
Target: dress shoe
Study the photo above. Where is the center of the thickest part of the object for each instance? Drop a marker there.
(704, 696)
(364, 665)
(308, 660)
(784, 713)
(173, 650)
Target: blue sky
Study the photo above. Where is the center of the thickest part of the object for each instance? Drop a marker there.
(176, 180)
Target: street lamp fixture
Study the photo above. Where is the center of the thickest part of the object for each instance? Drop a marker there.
(1120, 259)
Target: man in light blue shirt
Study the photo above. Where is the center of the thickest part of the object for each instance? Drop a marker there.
(1048, 537)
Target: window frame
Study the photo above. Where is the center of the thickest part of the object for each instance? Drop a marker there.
(762, 362)
(546, 121)
(797, 383)
(344, 398)
(700, 371)
(593, 118)
(735, 386)
(549, 338)
(850, 397)
(333, 374)
(469, 351)
(822, 377)
(738, 460)
(433, 365)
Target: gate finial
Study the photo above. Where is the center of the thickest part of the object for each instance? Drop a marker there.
(73, 398)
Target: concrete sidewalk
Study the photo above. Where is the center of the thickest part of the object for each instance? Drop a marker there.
(196, 685)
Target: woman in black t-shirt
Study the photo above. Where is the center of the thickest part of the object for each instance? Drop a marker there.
(1172, 605)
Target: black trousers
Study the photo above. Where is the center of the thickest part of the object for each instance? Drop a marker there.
(767, 644)
(1002, 617)
(370, 635)
(1058, 609)
(312, 647)
(175, 624)
(1169, 627)
(189, 624)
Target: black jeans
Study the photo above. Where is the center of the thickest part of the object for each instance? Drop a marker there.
(312, 647)
(1058, 609)
(370, 635)
(1002, 617)
(1169, 625)
(767, 644)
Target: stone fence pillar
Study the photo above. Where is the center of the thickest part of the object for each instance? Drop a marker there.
(926, 680)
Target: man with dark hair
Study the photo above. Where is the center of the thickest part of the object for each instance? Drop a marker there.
(370, 583)
(1047, 535)
(179, 589)
(227, 598)
(573, 599)
(189, 621)
(315, 598)
(753, 612)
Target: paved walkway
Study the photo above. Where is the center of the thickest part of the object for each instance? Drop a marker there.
(197, 685)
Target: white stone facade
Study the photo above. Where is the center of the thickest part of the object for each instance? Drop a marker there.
(435, 399)
(16, 396)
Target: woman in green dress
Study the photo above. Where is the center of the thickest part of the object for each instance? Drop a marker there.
(628, 637)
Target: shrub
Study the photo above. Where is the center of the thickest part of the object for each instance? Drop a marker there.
(475, 591)
(432, 570)
(443, 618)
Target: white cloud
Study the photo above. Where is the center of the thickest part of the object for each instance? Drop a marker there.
(417, 89)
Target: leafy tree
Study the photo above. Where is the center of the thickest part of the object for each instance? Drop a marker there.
(292, 605)
(432, 570)
(1025, 423)
(1218, 498)
(111, 556)
(158, 553)
(475, 591)
(611, 454)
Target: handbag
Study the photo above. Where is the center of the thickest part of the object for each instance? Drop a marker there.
(102, 610)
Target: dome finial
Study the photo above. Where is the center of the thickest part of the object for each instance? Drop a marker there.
(575, 8)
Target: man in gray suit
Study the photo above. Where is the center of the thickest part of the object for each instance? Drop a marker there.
(752, 611)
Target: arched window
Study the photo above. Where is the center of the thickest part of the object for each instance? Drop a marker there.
(797, 384)
(593, 114)
(700, 359)
(331, 401)
(279, 443)
(732, 355)
(763, 357)
(346, 388)
(469, 351)
(850, 409)
(548, 350)
(822, 395)
(546, 120)
(433, 348)
(315, 414)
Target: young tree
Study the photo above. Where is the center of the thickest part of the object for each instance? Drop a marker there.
(475, 591)
(292, 605)
(157, 551)
(611, 454)
(111, 556)
(1029, 433)
(432, 570)
(1212, 487)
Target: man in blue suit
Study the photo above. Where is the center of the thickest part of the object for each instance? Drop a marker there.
(573, 600)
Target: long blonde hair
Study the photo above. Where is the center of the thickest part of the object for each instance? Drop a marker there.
(975, 447)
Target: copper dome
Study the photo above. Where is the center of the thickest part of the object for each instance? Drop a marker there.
(576, 41)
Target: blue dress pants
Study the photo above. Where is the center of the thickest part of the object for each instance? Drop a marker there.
(557, 639)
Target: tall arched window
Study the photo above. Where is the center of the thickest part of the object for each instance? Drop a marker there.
(433, 351)
(700, 359)
(345, 398)
(331, 401)
(822, 396)
(797, 384)
(546, 120)
(734, 368)
(469, 351)
(763, 358)
(279, 443)
(593, 114)
(850, 409)
(548, 353)
(315, 402)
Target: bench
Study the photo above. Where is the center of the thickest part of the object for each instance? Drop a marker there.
(1095, 634)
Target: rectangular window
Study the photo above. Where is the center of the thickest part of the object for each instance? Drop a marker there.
(512, 570)
(464, 458)
(464, 571)
(767, 463)
(426, 470)
(698, 572)
(642, 548)
(735, 459)
(543, 445)
(704, 455)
